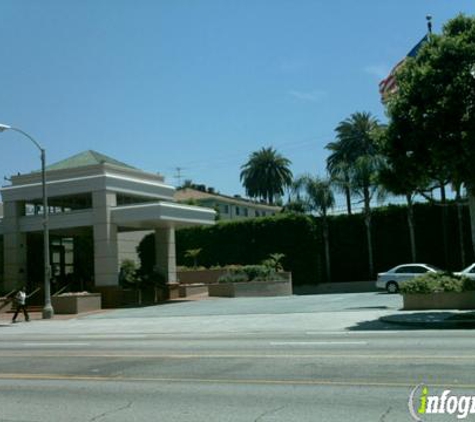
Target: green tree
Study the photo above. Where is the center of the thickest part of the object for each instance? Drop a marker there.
(399, 182)
(432, 114)
(193, 254)
(355, 138)
(266, 174)
(317, 196)
(355, 163)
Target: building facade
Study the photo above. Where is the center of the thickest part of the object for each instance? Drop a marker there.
(99, 209)
(227, 207)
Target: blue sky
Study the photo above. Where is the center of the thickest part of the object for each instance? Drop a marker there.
(197, 84)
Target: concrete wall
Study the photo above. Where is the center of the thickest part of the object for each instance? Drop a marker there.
(127, 245)
(251, 289)
(76, 304)
(443, 300)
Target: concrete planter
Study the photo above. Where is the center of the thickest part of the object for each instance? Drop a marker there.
(444, 300)
(252, 289)
(209, 276)
(200, 276)
(70, 304)
(5, 305)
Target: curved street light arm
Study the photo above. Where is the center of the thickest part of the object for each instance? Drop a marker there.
(48, 311)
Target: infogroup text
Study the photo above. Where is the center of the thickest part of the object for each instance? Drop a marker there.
(447, 403)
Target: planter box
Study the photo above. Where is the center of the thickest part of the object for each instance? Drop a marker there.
(76, 304)
(447, 300)
(200, 276)
(210, 276)
(252, 289)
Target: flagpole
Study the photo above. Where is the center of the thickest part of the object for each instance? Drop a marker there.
(429, 26)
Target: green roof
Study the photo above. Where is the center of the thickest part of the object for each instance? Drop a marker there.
(86, 158)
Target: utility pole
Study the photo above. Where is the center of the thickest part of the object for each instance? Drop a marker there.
(178, 175)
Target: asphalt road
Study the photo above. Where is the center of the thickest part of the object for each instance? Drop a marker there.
(314, 358)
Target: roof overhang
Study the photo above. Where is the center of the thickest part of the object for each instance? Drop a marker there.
(162, 214)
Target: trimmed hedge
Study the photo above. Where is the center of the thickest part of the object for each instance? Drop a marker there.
(249, 242)
(299, 237)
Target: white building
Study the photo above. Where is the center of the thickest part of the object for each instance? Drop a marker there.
(92, 195)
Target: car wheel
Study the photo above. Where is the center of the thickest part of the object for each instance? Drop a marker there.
(392, 287)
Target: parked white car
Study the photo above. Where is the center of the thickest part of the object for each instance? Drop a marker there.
(391, 280)
(468, 272)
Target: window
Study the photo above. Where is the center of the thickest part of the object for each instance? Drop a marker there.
(225, 209)
(411, 269)
(238, 211)
(246, 212)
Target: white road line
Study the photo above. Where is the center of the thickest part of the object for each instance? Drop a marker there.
(347, 333)
(316, 343)
(63, 344)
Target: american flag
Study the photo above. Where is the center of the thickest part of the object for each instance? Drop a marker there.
(388, 85)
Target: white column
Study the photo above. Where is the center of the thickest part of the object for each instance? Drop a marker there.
(106, 260)
(165, 255)
(14, 246)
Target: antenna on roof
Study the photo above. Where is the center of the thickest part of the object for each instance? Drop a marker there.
(178, 175)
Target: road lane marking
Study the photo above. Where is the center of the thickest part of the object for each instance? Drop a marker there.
(316, 343)
(65, 344)
(315, 382)
(348, 333)
(137, 356)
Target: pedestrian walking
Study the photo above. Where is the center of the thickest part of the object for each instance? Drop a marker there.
(20, 302)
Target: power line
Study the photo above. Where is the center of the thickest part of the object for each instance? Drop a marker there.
(226, 159)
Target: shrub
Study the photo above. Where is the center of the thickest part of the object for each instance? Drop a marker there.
(233, 278)
(249, 273)
(438, 282)
(128, 275)
(256, 272)
(274, 261)
(468, 284)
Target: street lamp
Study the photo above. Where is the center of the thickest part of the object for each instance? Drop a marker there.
(48, 311)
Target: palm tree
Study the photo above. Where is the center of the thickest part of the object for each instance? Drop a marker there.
(317, 195)
(354, 163)
(365, 184)
(338, 167)
(266, 174)
(355, 138)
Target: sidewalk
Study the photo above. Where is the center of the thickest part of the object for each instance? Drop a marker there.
(37, 316)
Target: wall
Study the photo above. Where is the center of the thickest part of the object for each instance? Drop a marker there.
(127, 244)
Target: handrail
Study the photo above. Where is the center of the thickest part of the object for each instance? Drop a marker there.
(62, 289)
(34, 292)
(10, 293)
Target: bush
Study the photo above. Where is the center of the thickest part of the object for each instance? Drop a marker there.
(249, 273)
(128, 276)
(436, 283)
(256, 272)
(233, 278)
(250, 241)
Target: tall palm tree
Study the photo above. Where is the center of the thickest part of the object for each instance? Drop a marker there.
(266, 174)
(338, 167)
(353, 163)
(355, 138)
(317, 196)
(400, 182)
(365, 184)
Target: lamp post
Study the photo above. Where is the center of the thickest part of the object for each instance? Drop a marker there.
(48, 311)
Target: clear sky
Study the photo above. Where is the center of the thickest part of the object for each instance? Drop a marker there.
(197, 84)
